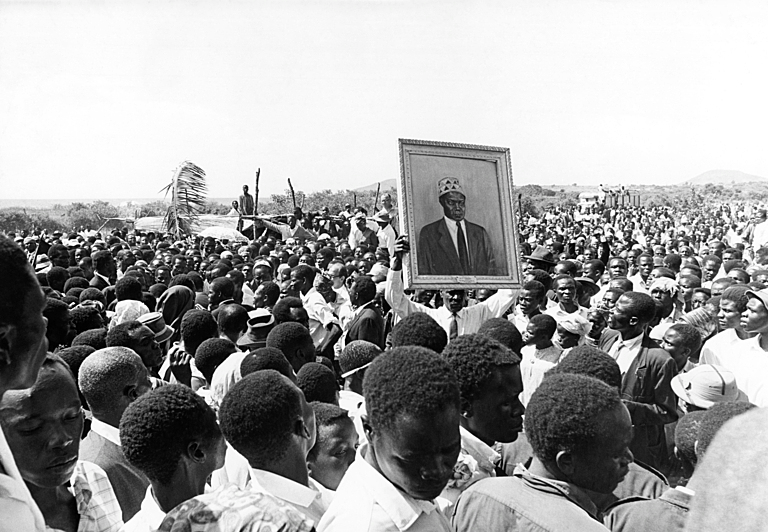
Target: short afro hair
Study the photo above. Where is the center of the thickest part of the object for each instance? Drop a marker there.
(592, 362)
(96, 338)
(224, 286)
(690, 335)
(737, 294)
(258, 416)
(266, 358)
(196, 327)
(105, 373)
(560, 414)
(18, 280)
(408, 381)
(271, 292)
(232, 318)
(304, 271)
(211, 353)
(287, 337)
(120, 334)
(713, 419)
(57, 278)
(128, 288)
(282, 309)
(326, 415)
(74, 357)
(86, 318)
(157, 428)
(365, 287)
(356, 355)
(93, 294)
(642, 306)
(318, 383)
(182, 279)
(504, 332)
(76, 282)
(419, 329)
(686, 434)
(544, 324)
(473, 358)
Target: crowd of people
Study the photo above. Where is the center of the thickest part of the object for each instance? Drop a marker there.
(291, 382)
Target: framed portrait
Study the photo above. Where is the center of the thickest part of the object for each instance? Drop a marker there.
(457, 209)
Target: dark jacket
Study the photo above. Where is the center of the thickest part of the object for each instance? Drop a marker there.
(647, 391)
(437, 255)
(368, 325)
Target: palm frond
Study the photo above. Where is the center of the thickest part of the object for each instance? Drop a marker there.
(188, 192)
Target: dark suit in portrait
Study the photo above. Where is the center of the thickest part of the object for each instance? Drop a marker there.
(463, 248)
(437, 254)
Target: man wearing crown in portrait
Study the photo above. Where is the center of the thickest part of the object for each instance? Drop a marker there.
(452, 245)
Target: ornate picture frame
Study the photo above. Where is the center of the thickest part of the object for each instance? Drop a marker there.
(433, 178)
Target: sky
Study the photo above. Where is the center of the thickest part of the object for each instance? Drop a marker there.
(103, 99)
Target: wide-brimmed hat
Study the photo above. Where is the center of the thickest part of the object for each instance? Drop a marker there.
(707, 384)
(541, 254)
(260, 322)
(156, 322)
(586, 282)
(762, 295)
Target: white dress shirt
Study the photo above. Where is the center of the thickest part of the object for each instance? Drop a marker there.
(19, 510)
(453, 230)
(750, 367)
(625, 352)
(306, 499)
(469, 319)
(721, 349)
(366, 501)
(108, 432)
(318, 309)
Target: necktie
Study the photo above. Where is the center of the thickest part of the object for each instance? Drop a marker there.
(463, 254)
(454, 332)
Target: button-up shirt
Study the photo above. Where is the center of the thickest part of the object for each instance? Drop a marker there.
(19, 511)
(108, 432)
(525, 502)
(750, 368)
(624, 352)
(96, 501)
(469, 319)
(230, 508)
(308, 500)
(366, 501)
(318, 309)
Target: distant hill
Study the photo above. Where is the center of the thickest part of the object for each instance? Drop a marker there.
(725, 177)
(385, 185)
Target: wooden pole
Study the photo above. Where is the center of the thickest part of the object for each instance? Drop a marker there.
(256, 195)
(376, 200)
(354, 197)
(293, 194)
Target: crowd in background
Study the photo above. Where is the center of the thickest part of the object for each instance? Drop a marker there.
(290, 382)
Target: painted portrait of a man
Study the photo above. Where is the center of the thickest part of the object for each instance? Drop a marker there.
(453, 245)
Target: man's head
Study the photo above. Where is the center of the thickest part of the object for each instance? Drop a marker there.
(172, 430)
(531, 297)
(565, 288)
(594, 269)
(733, 303)
(245, 189)
(580, 431)
(60, 330)
(454, 300)
(294, 341)
(633, 311)
(111, 379)
(265, 417)
(211, 353)
(138, 337)
(490, 383)
(452, 198)
(318, 383)
(645, 265)
(43, 425)
(290, 309)
(503, 331)
(338, 274)
(334, 449)
(196, 327)
(362, 291)
(755, 317)
(221, 289)
(540, 328)
(413, 403)
(681, 341)
(302, 278)
(104, 263)
(711, 267)
(719, 286)
(419, 329)
(617, 267)
(687, 284)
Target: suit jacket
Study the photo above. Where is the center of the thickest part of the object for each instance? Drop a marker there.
(647, 391)
(368, 325)
(98, 282)
(437, 255)
(130, 484)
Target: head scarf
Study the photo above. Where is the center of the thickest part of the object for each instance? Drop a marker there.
(128, 310)
(174, 303)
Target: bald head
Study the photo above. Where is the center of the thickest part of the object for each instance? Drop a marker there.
(110, 379)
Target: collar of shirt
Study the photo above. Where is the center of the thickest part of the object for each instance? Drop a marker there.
(362, 307)
(310, 295)
(151, 513)
(632, 343)
(283, 488)
(97, 274)
(572, 492)
(106, 431)
(400, 507)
